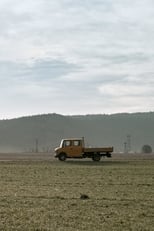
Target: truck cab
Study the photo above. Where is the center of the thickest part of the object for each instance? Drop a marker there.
(70, 148)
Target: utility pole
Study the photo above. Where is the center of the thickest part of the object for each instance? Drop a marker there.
(36, 145)
(125, 147)
(128, 143)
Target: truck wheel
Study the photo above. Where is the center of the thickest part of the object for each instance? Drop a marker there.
(108, 154)
(62, 157)
(96, 158)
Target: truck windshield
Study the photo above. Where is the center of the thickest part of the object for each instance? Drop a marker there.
(61, 144)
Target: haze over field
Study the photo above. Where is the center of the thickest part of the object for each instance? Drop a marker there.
(76, 57)
(99, 130)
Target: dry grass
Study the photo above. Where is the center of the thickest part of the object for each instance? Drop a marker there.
(47, 195)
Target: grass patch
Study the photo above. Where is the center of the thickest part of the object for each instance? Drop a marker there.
(49, 195)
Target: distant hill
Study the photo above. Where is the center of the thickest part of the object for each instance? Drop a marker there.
(118, 130)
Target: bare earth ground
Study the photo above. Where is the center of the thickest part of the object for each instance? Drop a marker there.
(39, 193)
(26, 156)
(50, 156)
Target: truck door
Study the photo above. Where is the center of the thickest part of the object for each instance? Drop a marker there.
(76, 148)
(73, 148)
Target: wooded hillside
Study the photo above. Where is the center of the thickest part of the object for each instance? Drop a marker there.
(22, 134)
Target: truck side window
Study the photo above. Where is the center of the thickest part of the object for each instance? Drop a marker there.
(67, 143)
(76, 142)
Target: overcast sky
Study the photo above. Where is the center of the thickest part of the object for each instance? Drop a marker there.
(76, 57)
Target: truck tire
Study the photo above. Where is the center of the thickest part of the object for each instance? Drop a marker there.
(96, 157)
(108, 155)
(62, 156)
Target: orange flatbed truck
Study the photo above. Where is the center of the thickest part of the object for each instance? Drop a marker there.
(75, 148)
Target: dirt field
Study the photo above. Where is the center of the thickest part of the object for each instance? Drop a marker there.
(26, 156)
(50, 156)
(39, 193)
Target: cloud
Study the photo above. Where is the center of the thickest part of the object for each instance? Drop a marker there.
(34, 81)
(120, 90)
(36, 70)
(93, 56)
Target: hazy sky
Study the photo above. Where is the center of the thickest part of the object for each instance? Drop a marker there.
(76, 57)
